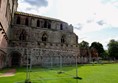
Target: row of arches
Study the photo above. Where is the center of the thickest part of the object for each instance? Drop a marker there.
(18, 59)
(44, 38)
(39, 23)
(18, 21)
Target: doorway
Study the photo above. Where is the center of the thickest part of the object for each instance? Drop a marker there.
(15, 59)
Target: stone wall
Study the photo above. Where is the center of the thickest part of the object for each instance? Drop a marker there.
(27, 31)
(47, 41)
(2, 59)
(43, 57)
(7, 9)
(35, 35)
(38, 22)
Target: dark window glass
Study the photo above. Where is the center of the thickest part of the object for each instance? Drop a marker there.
(49, 25)
(62, 39)
(45, 24)
(26, 21)
(18, 20)
(38, 23)
(61, 27)
(22, 36)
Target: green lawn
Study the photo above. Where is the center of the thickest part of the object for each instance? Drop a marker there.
(107, 73)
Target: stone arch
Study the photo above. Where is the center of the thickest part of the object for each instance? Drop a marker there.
(44, 37)
(61, 26)
(63, 39)
(23, 35)
(18, 21)
(45, 23)
(41, 23)
(49, 24)
(15, 58)
(27, 21)
(38, 23)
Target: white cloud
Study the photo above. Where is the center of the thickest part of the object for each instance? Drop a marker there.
(78, 11)
(38, 3)
(106, 41)
(87, 15)
(34, 9)
(84, 11)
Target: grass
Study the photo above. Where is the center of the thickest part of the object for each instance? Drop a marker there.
(106, 73)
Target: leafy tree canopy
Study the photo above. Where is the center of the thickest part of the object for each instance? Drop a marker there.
(99, 47)
(113, 48)
(84, 44)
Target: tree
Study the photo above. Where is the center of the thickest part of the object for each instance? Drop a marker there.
(105, 54)
(113, 49)
(99, 47)
(84, 44)
(84, 48)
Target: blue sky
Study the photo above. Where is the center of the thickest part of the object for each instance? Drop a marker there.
(93, 20)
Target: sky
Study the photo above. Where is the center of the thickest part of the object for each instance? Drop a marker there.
(93, 20)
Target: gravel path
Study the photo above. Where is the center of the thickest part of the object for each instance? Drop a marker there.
(10, 72)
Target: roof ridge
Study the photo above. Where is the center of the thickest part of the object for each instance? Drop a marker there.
(34, 15)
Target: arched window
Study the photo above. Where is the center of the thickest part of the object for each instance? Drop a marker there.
(45, 24)
(23, 35)
(61, 27)
(26, 21)
(63, 39)
(49, 25)
(15, 58)
(18, 20)
(38, 23)
(44, 37)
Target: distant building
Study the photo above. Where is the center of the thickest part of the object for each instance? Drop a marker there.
(37, 39)
(88, 55)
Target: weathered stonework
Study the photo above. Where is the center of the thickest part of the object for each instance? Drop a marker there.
(7, 9)
(37, 39)
(46, 41)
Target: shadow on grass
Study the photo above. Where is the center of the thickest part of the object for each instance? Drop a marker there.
(41, 69)
(46, 74)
